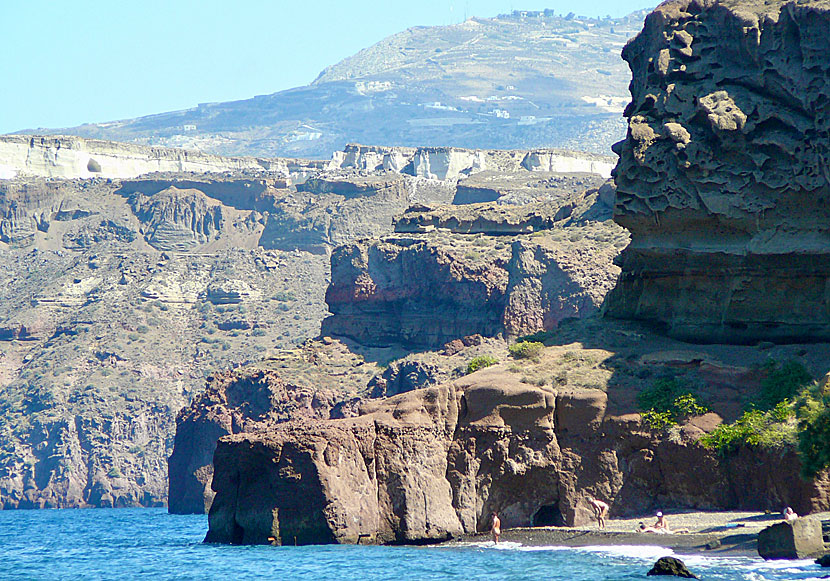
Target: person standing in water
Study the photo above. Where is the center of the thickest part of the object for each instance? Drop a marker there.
(495, 530)
(600, 509)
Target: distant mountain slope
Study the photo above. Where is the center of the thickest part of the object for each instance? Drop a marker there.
(523, 80)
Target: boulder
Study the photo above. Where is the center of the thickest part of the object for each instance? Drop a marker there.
(798, 539)
(671, 566)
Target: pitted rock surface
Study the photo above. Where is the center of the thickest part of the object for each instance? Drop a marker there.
(723, 178)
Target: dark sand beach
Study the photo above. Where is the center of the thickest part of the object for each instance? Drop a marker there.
(733, 533)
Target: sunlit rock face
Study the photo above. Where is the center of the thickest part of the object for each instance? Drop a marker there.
(75, 157)
(723, 176)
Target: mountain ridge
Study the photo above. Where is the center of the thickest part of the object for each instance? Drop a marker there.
(467, 85)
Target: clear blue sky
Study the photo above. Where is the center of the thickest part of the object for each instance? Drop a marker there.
(67, 62)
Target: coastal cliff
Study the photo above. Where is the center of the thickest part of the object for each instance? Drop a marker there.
(721, 183)
(722, 178)
(432, 463)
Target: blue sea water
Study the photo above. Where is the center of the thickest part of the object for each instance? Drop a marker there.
(151, 544)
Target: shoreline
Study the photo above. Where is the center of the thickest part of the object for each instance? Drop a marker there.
(714, 533)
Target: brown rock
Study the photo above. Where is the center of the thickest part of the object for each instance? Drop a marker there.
(234, 402)
(798, 539)
(720, 180)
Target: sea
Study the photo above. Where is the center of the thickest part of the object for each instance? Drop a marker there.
(151, 544)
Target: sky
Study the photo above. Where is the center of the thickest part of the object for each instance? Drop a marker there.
(68, 62)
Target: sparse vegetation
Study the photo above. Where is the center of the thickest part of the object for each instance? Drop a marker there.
(667, 402)
(480, 362)
(526, 350)
(813, 408)
(770, 420)
(772, 428)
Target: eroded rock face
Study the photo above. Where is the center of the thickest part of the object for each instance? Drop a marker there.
(178, 219)
(428, 289)
(722, 179)
(422, 466)
(233, 402)
(433, 463)
(411, 292)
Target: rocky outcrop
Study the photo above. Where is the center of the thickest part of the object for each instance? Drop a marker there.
(406, 290)
(233, 402)
(178, 219)
(430, 464)
(452, 163)
(425, 290)
(671, 566)
(332, 210)
(76, 157)
(420, 467)
(798, 539)
(722, 178)
(371, 158)
(561, 161)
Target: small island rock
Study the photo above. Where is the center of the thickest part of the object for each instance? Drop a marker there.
(671, 566)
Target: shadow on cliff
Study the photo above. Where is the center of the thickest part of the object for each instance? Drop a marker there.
(654, 469)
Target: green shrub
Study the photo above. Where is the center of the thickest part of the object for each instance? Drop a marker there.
(813, 408)
(284, 296)
(753, 428)
(114, 472)
(538, 337)
(142, 329)
(782, 383)
(258, 332)
(526, 350)
(657, 421)
(480, 362)
(667, 402)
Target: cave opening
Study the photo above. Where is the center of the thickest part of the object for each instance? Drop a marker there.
(548, 515)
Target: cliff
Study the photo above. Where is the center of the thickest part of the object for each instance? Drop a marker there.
(123, 295)
(76, 157)
(474, 269)
(432, 464)
(722, 178)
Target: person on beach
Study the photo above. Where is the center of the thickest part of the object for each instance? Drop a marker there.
(789, 514)
(642, 528)
(495, 530)
(600, 509)
(661, 523)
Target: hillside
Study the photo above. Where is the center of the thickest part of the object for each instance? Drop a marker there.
(121, 294)
(517, 81)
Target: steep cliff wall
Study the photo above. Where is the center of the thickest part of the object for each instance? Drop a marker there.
(723, 177)
(473, 269)
(433, 463)
(450, 163)
(76, 157)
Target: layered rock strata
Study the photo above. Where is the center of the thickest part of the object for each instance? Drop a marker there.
(722, 178)
(451, 163)
(76, 157)
(423, 290)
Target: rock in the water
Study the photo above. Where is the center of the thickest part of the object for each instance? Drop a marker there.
(721, 180)
(798, 539)
(671, 566)
(824, 560)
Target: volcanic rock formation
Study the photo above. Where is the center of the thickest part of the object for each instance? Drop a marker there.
(723, 177)
(433, 463)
